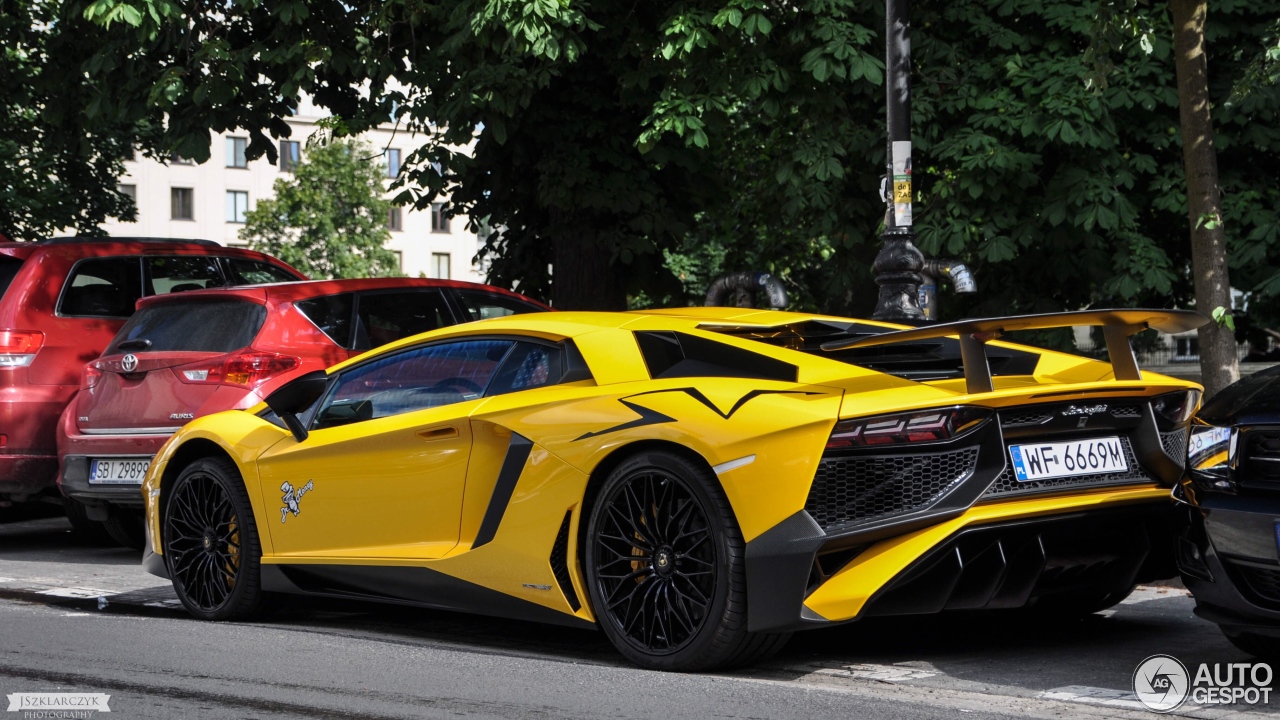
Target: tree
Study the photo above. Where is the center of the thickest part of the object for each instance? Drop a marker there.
(612, 141)
(330, 219)
(1210, 245)
(59, 163)
(583, 157)
(1219, 362)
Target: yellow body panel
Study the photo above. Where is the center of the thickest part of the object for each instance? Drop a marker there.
(414, 489)
(843, 596)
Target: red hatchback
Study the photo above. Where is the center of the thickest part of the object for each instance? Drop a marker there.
(181, 357)
(61, 302)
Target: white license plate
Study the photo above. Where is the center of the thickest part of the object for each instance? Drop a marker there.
(118, 471)
(1041, 461)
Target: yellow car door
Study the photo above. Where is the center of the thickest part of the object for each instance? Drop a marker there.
(382, 471)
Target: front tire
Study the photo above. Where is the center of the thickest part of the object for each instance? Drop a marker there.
(210, 541)
(666, 570)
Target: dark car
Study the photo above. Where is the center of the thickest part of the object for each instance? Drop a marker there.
(1228, 545)
(185, 356)
(61, 302)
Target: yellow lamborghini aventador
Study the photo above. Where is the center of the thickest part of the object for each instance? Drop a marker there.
(699, 483)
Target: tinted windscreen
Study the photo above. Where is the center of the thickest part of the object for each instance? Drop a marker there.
(220, 326)
(481, 306)
(332, 314)
(389, 316)
(252, 272)
(102, 287)
(9, 267)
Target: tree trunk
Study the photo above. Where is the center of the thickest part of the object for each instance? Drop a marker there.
(582, 276)
(1219, 363)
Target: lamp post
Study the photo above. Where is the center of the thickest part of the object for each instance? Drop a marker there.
(899, 262)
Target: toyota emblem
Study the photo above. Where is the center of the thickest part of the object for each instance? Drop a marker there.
(129, 363)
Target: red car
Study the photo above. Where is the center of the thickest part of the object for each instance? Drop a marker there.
(181, 357)
(61, 302)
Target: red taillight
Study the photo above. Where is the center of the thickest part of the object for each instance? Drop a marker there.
(246, 369)
(912, 427)
(18, 348)
(92, 374)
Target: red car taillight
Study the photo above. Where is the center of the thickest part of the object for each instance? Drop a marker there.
(903, 428)
(92, 374)
(246, 369)
(18, 348)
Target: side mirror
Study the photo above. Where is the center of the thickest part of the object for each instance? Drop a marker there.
(296, 396)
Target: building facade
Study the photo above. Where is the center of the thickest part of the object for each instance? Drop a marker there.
(184, 200)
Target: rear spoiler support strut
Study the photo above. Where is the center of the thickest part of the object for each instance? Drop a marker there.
(1117, 326)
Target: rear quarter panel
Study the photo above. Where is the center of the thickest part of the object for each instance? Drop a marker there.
(784, 425)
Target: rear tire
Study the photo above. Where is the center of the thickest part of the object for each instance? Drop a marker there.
(210, 542)
(92, 531)
(666, 568)
(127, 527)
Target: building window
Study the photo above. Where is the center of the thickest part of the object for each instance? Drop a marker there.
(393, 163)
(235, 152)
(176, 159)
(289, 155)
(393, 220)
(130, 190)
(439, 221)
(440, 266)
(399, 259)
(182, 203)
(237, 205)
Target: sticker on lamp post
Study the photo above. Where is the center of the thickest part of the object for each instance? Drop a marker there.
(902, 183)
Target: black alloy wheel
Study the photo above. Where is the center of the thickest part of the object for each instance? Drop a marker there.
(210, 542)
(666, 567)
(655, 561)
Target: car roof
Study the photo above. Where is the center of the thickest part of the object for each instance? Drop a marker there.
(77, 247)
(301, 290)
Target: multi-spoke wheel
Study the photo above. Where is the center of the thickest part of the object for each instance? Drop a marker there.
(210, 542)
(665, 562)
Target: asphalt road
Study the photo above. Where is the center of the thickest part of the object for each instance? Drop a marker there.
(326, 659)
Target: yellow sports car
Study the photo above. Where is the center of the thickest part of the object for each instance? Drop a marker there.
(699, 482)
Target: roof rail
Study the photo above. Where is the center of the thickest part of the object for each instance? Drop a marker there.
(90, 238)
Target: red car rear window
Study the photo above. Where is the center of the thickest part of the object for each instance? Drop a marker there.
(207, 326)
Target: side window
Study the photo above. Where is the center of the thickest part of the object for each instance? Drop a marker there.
(387, 316)
(481, 306)
(253, 272)
(528, 366)
(106, 287)
(332, 314)
(417, 379)
(178, 274)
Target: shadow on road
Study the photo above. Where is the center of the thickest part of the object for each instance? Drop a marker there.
(49, 538)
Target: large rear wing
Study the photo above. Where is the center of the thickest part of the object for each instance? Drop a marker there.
(1117, 326)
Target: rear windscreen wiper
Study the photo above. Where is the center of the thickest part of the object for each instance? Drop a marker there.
(135, 344)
